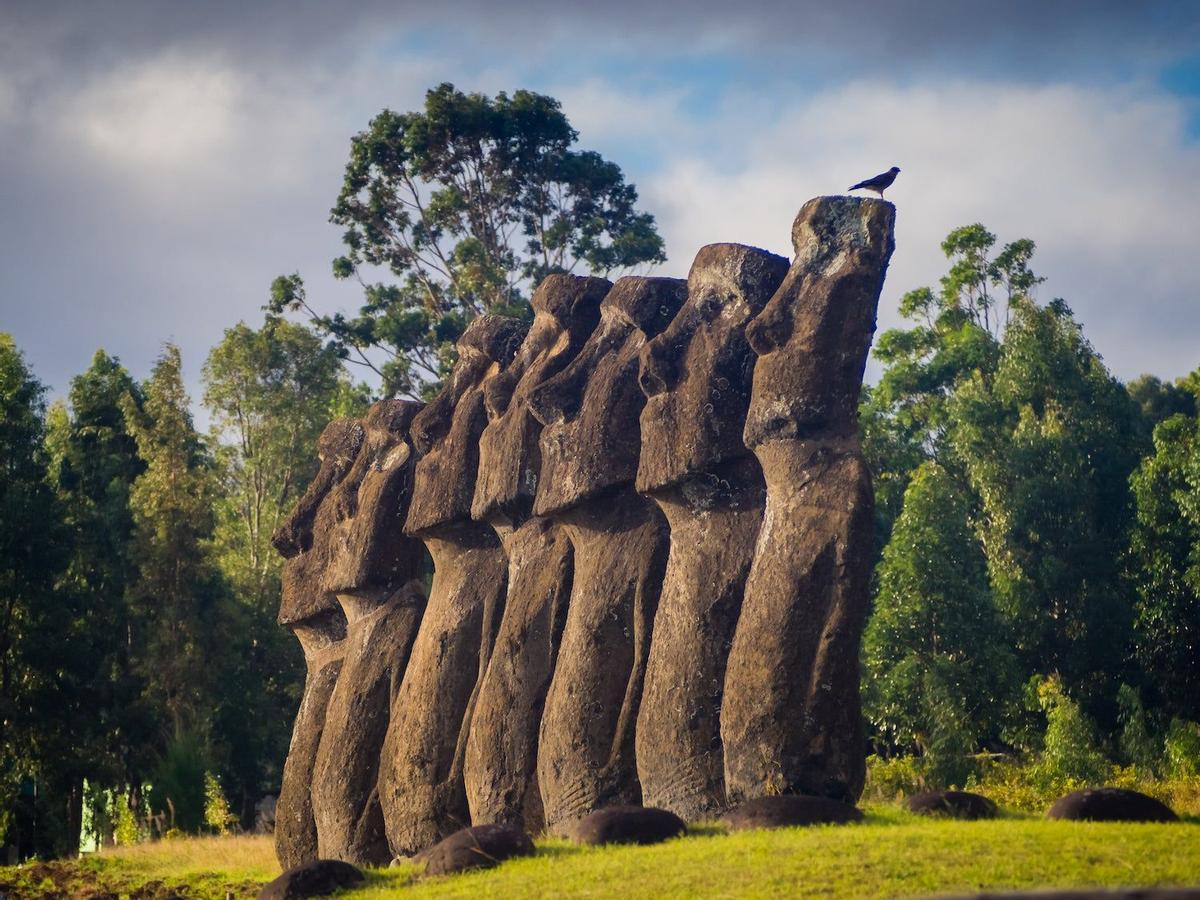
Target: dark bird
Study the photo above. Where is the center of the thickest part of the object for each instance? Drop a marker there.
(879, 183)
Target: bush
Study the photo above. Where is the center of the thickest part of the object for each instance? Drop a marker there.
(1182, 749)
(1069, 753)
(216, 808)
(893, 779)
(177, 788)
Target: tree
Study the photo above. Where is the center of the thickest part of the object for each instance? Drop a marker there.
(470, 203)
(172, 505)
(1158, 400)
(956, 333)
(270, 393)
(1164, 565)
(36, 621)
(95, 466)
(1048, 443)
(935, 653)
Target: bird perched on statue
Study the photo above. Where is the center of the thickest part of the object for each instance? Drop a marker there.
(879, 183)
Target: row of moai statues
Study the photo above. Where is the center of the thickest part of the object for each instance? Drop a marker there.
(650, 528)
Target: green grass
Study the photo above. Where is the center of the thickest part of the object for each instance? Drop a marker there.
(892, 854)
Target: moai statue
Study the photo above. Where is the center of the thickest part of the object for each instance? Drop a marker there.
(697, 377)
(499, 770)
(791, 721)
(318, 622)
(421, 771)
(589, 448)
(376, 572)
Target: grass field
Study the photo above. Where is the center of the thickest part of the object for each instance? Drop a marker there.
(892, 854)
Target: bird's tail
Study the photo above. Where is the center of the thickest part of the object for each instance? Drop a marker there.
(855, 187)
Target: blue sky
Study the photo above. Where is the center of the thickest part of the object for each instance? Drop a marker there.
(161, 162)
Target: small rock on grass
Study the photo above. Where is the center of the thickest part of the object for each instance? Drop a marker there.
(955, 804)
(313, 879)
(480, 847)
(627, 825)
(1110, 804)
(789, 810)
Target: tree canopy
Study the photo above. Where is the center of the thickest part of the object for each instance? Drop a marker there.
(468, 204)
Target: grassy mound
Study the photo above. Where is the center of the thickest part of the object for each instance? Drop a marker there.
(892, 854)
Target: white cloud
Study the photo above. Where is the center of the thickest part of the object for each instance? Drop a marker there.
(1098, 177)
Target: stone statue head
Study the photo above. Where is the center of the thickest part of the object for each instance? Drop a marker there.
(813, 336)
(696, 375)
(370, 554)
(566, 309)
(305, 539)
(446, 432)
(590, 440)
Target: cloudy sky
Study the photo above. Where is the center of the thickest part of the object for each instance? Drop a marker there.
(161, 162)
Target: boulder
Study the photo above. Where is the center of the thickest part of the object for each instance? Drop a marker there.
(954, 804)
(790, 718)
(697, 376)
(1109, 804)
(788, 811)
(627, 825)
(313, 879)
(480, 847)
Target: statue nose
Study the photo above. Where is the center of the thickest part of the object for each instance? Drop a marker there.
(657, 371)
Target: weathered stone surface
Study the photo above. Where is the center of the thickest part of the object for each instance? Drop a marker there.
(566, 309)
(316, 618)
(790, 719)
(1110, 804)
(313, 879)
(627, 825)
(591, 439)
(500, 770)
(480, 847)
(586, 744)
(696, 374)
(295, 824)
(710, 488)
(954, 804)
(788, 811)
(446, 433)
(421, 770)
(376, 572)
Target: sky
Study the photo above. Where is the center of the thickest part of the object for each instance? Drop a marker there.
(161, 162)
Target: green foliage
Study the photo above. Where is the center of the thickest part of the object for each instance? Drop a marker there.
(1138, 745)
(938, 670)
(125, 826)
(1048, 442)
(177, 788)
(38, 625)
(172, 506)
(470, 203)
(216, 808)
(1069, 753)
(1182, 747)
(270, 392)
(894, 778)
(1159, 400)
(1164, 566)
